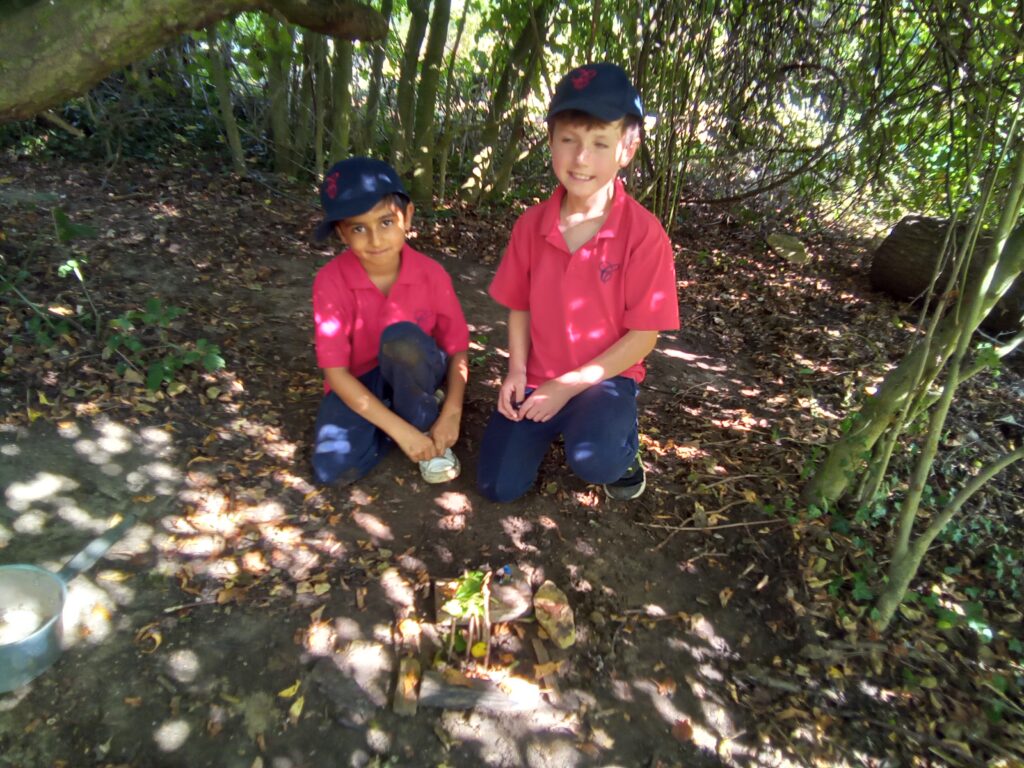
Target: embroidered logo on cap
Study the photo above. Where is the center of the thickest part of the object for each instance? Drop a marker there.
(331, 185)
(581, 79)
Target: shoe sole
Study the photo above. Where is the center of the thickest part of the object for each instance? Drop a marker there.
(442, 476)
(636, 494)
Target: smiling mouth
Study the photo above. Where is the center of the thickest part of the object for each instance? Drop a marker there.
(579, 176)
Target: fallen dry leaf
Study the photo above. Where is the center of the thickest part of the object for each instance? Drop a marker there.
(682, 730)
(295, 710)
(666, 687)
(548, 668)
(149, 638)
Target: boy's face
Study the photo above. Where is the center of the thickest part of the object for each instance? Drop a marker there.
(586, 160)
(377, 236)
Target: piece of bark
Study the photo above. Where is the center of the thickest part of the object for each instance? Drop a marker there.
(549, 679)
(551, 606)
(475, 693)
(405, 700)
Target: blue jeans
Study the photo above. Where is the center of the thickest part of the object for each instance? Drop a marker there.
(410, 369)
(600, 430)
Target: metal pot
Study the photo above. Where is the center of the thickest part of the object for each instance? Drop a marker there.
(31, 610)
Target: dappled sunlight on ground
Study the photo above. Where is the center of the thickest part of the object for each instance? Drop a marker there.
(456, 510)
(251, 532)
(219, 625)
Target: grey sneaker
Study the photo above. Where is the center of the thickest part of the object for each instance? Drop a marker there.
(632, 483)
(441, 468)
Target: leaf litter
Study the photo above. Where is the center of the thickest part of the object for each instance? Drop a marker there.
(720, 555)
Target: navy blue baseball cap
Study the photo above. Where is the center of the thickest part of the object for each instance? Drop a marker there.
(602, 90)
(354, 186)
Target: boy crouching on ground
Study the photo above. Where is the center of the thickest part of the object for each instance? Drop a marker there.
(389, 332)
(589, 280)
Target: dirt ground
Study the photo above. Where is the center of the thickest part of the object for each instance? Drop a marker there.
(252, 619)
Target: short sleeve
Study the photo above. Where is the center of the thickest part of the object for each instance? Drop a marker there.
(652, 303)
(332, 317)
(511, 284)
(452, 333)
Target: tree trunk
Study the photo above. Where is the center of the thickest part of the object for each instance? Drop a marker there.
(321, 91)
(904, 263)
(222, 84)
(367, 136)
(446, 135)
(504, 162)
(832, 479)
(501, 102)
(51, 50)
(303, 111)
(426, 102)
(278, 82)
(403, 133)
(342, 101)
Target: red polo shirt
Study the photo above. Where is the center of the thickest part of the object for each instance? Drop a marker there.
(581, 303)
(351, 313)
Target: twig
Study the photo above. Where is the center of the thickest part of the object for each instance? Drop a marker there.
(702, 555)
(451, 637)
(98, 321)
(63, 124)
(924, 739)
(28, 302)
(485, 589)
(750, 524)
(1007, 753)
(1006, 700)
(188, 606)
(729, 480)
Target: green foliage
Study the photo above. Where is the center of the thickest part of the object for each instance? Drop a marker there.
(140, 338)
(814, 456)
(469, 598)
(979, 538)
(477, 358)
(754, 102)
(68, 231)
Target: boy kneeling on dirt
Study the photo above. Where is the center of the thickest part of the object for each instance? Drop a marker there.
(589, 280)
(389, 332)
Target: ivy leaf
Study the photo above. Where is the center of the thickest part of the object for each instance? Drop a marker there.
(212, 361)
(861, 591)
(155, 375)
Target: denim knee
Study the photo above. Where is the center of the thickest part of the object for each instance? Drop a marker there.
(597, 467)
(502, 489)
(328, 472)
(403, 343)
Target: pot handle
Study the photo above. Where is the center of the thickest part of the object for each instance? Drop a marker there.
(95, 549)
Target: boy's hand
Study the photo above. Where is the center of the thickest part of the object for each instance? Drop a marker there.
(445, 431)
(546, 400)
(416, 445)
(513, 389)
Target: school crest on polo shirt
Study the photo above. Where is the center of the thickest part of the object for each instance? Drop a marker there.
(607, 271)
(424, 319)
